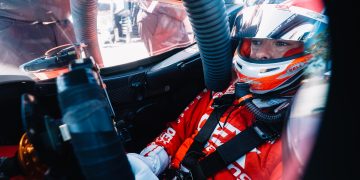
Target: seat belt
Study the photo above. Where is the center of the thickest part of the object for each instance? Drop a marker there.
(230, 151)
(238, 146)
(220, 105)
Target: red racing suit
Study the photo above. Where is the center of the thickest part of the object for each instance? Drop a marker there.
(263, 162)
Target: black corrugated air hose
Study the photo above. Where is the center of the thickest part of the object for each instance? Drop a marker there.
(262, 116)
(241, 90)
(84, 14)
(211, 28)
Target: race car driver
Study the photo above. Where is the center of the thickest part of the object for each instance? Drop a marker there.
(234, 134)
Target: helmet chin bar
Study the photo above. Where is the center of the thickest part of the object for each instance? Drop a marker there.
(271, 77)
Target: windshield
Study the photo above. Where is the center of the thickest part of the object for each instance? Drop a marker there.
(103, 7)
(140, 29)
(126, 30)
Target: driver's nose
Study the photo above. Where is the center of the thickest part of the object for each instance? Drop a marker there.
(263, 52)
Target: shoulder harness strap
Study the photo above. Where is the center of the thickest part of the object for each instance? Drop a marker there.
(257, 134)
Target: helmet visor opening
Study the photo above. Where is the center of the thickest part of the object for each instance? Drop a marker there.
(267, 49)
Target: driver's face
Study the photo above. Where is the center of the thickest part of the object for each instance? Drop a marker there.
(262, 49)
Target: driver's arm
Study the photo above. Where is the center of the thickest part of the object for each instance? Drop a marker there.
(157, 154)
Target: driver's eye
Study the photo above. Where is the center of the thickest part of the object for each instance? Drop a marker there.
(281, 43)
(255, 42)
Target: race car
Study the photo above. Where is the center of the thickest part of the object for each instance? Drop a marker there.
(135, 100)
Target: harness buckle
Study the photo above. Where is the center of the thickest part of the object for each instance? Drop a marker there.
(177, 174)
(223, 101)
(182, 175)
(265, 132)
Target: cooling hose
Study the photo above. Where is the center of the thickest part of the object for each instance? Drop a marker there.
(84, 13)
(241, 90)
(211, 28)
(262, 116)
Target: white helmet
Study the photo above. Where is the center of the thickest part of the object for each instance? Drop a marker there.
(290, 21)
